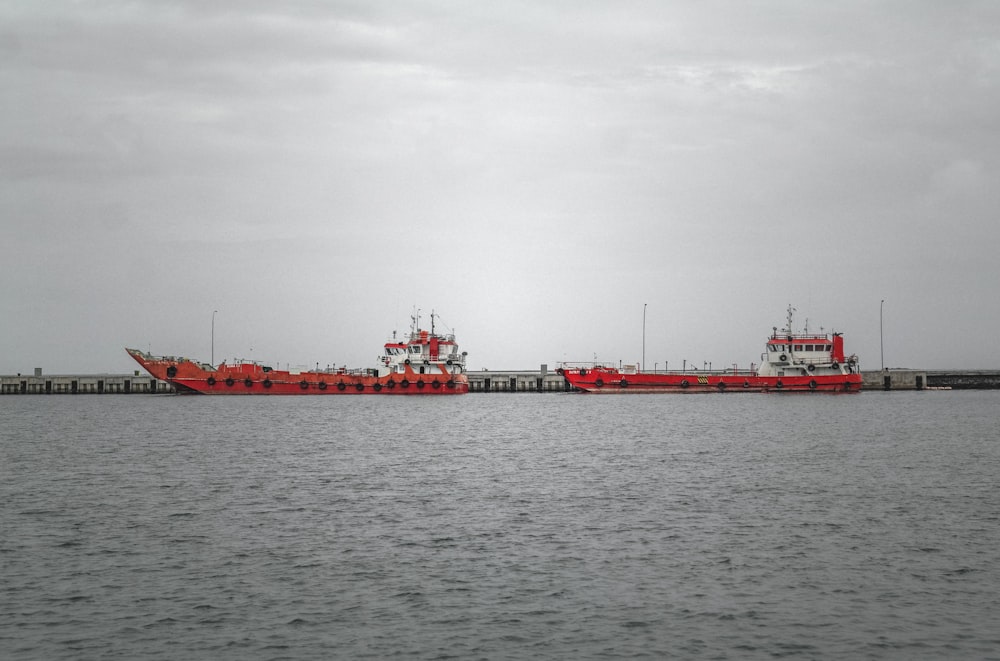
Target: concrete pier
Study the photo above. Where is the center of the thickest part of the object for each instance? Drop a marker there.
(895, 379)
(82, 384)
(517, 381)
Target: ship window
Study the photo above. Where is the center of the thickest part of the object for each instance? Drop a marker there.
(809, 347)
(798, 347)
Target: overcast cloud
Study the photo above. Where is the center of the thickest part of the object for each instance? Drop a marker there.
(534, 172)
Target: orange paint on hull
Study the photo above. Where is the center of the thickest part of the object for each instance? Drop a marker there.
(424, 363)
(189, 376)
(610, 380)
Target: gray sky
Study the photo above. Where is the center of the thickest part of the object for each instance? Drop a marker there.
(534, 172)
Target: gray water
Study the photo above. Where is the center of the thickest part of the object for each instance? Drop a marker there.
(553, 526)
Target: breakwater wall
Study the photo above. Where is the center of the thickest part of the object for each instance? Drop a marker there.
(964, 379)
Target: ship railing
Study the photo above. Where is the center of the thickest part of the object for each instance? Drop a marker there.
(586, 365)
(781, 336)
(795, 359)
(694, 371)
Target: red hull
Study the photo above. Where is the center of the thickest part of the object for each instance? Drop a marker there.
(609, 380)
(188, 376)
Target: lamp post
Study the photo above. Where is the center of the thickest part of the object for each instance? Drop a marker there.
(881, 341)
(214, 312)
(643, 337)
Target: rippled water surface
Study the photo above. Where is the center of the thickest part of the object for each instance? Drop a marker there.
(500, 526)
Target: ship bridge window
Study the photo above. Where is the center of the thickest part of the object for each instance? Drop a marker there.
(798, 347)
(415, 348)
(809, 347)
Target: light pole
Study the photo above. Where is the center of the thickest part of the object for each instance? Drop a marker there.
(881, 341)
(643, 337)
(214, 312)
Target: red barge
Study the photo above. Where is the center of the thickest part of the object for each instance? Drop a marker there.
(792, 362)
(426, 363)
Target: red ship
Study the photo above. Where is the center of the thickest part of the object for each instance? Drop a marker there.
(793, 362)
(426, 363)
